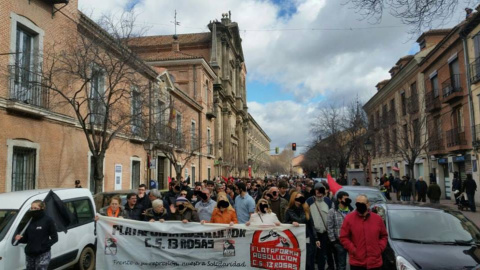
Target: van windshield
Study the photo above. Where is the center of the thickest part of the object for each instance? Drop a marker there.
(6, 219)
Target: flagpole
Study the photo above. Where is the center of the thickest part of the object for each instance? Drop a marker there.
(23, 231)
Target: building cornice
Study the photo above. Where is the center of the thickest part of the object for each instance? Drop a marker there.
(252, 120)
(183, 62)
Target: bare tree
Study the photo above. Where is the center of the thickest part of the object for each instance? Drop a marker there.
(102, 82)
(420, 14)
(177, 143)
(342, 130)
(407, 136)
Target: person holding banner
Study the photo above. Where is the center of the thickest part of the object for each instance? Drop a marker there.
(40, 235)
(298, 212)
(114, 209)
(157, 212)
(224, 212)
(263, 215)
(184, 211)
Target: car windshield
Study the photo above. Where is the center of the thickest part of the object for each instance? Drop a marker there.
(372, 195)
(6, 219)
(434, 226)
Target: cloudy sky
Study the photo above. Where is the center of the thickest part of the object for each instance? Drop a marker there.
(300, 54)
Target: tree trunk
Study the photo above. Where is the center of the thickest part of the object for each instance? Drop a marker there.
(98, 172)
(179, 175)
(410, 168)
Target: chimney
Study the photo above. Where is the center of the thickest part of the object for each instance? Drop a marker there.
(381, 84)
(175, 44)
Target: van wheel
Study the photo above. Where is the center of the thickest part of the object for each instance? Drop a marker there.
(87, 259)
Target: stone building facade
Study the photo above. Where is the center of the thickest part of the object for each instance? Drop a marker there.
(258, 149)
(191, 58)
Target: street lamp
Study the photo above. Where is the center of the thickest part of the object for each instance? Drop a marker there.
(368, 145)
(148, 146)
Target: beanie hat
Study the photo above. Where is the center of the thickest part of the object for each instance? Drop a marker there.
(181, 199)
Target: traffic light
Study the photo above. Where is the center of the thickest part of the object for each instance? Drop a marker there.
(277, 150)
(294, 146)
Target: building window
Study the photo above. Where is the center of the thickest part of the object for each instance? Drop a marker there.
(403, 99)
(24, 69)
(209, 142)
(434, 85)
(136, 112)
(179, 137)
(97, 95)
(135, 174)
(23, 168)
(193, 135)
(206, 93)
(193, 174)
(160, 119)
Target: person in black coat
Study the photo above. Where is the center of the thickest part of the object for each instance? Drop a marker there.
(456, 187)
(422, 190)
(297, 213)
(470, 189)
(40, 236)
(134, 210)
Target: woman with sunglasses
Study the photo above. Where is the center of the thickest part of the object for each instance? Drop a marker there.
(183, 210)
(298, 213)
(263, 215)
(224, 212)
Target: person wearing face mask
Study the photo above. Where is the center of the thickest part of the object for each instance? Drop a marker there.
(206, 205)
(40, 236)
(364, 236)
(336, 215)
(184, 211)
(278, 204)
(224, 212)
(319, 206)
(297, 213)
(263, 215)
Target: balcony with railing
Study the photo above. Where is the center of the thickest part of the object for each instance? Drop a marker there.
(436, 144)
(211, 112)
(168, 136)
(475, 71)
(452, 88)
(432, 102)
(25, 87)
(456, 137)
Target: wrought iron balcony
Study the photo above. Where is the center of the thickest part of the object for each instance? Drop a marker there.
(26, 86)
(475, 70)
(456, 137)
(166, 135)
(436, 143)
(452, 88)
(432, 102)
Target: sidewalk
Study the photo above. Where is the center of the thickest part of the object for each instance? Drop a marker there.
(475, 217)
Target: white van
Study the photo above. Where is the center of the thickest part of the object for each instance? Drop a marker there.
(76, 247)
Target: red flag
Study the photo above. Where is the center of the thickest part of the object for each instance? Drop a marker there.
(334, 186)
(225, 179)
(250, 172)
(169, 179)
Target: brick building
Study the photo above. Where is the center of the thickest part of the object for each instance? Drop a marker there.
(210, 68)
(42, 143)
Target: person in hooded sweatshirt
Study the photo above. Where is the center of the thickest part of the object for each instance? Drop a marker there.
(40, 236)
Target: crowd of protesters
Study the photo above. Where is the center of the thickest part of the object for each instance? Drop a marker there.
(270, 202)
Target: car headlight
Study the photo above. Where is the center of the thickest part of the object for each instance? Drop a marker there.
(403, 264)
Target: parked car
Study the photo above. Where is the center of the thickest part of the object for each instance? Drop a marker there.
(75, 247)
(429, 237)
(373, 194)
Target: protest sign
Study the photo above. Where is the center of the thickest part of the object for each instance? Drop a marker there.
(129, 244)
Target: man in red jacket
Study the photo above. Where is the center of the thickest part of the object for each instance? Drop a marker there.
(364, 236)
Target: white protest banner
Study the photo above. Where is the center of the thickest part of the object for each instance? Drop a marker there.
(129, 244)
